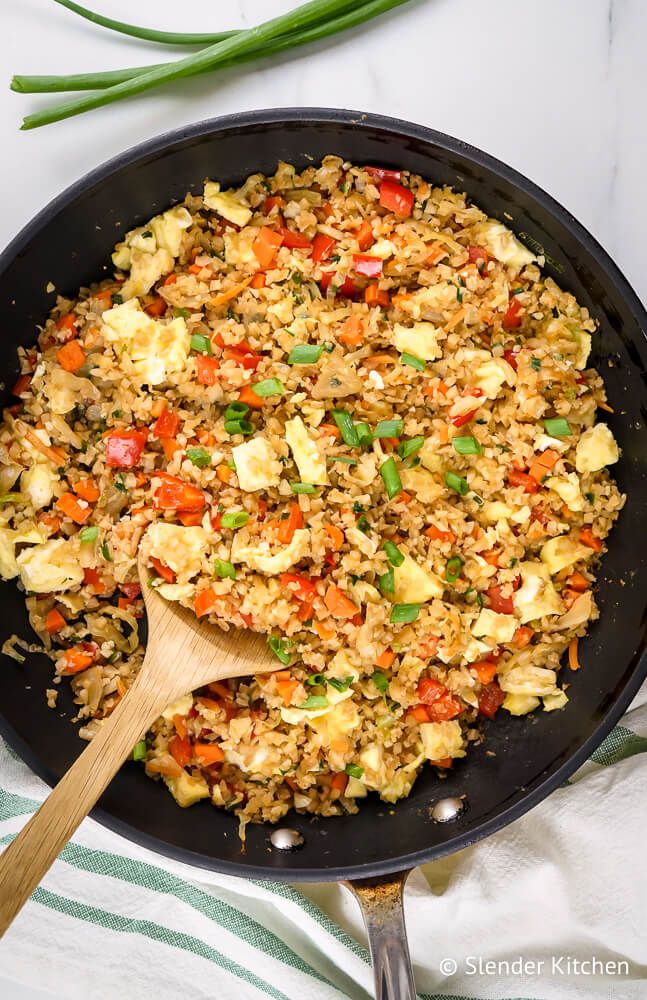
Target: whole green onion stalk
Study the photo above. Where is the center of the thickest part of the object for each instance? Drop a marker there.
(311, 21)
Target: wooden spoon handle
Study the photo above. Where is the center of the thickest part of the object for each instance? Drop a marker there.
(27, 859)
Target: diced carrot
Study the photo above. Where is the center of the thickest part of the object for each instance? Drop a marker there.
(190, 518)
(156, 308)
(266, 245)
(87, 489)
(443, 434)
(71, 356)
(374, 296)
(54, 621)
(231, 293)
(258, 281)
(162, 570)
(71, 507)
(194, 268)
(484, 670)
(324, 631)
(50, 521)
(592, 541)
(330, 430)
(438, 535)
(247, 395)
(436, 252)
(181, 750)
(352, 331)
(179, 721)
(403, 497)
(288, 526)
(170, 279)
(543, 463)
(338, 604)
(286, 689)
(68, 324)
(121, 687)
(491, 557)
(385, 659)
(522, 636)
(224, 473)
(419, 713)
(210, 703)
(169, 447)
(443, 388)
(167, 766)
(205, 602)
(364, 235)
(529, 483)
(573, 655)
(339, 782)
(578, 582)
(208, 753)
(336, 536)
(442, 762)
(77, 658)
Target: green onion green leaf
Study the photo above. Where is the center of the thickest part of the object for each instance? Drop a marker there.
(467, 445)
(453, 569)
(404, 613)
(269, 387)
(410, 447)
(234, 519)
(346, 427)
(354, 770)
(88, 534)
(389, 429)
(412, 361)
(393, 554)
(305, 354)
(558, 427)
(199, 457)
(224, 569)
(391, 477)
(200, 344)
(456, 483)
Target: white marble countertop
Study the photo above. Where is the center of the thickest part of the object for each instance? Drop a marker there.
(556, 89)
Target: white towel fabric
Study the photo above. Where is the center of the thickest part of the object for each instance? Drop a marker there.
(564, 887)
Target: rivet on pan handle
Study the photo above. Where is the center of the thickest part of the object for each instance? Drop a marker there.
(381, 903)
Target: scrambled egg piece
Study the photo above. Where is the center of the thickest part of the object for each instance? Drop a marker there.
(157, 349)
(145, 270)
(181, 706)
(535, 681)
(596, 448)
(558, 553)
(382, 249)
(434, 299)
(38, 484)
(429, 456)
(413, 584)
(309, 460)
(187, 790)
(494, 511)
(504, 245)
(52, 566)
(181, 549)
(568, 488)
(490, 376)
(225, 204)
(520, 704)
(257, 466)
(8, 541)
(64, 390)
(402, 781)
(163, 231)
(238, 247)
(554, 701)
(260, 558)
(442, 739)
(419, 339)
(536, 596)
(495, 626)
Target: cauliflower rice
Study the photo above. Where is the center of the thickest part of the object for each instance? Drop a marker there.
(354, 415)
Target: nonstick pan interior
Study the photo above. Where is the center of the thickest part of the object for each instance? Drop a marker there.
(521, 760)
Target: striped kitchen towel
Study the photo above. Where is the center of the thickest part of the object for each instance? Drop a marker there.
(552, 907)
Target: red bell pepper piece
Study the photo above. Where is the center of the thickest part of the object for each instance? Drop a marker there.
(381, 174)
(445, 708)
(511, 317)
(301, 587)
(322, 248)
(396, 198)
(478, 255)
(490, 700)
(348, 288)
(293, 240)
(516, 478)
(167, 424)
(502, 605)
(175, 494)
(369, 266)
(124, 448)
(511, 357)
(430, 690)
(206, 368)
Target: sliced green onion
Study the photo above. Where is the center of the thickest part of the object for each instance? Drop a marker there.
(453, 569)
(181, 313)
(363, 524)
(389, 429)
(243, 427)
(139, 750)
(117, 299)
(88, 534)
(387, 582)
(224, 569)
(346, 427)
(305, 354)
(340, 685)
(341, 458)
(456, 483)
(235, 411)
(412, 361)
(380, 680)
(119, 483)
(535, 363)
(315, 701)
(105, 552)
(364, 434)
(281, 648)
(303, 488)
(478, 499)
(199, 457)
(354, 770)
(467, 445)
(410, 447)
(200, 343)
(391, 477)
(234, 519)
(393, 554)
(315, 680)
(558, 427)
(403, 613)
(268, 387)
(12, 498)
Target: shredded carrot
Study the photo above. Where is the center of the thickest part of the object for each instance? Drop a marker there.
(573, 654)
(456, 318)
(330, 430)
(338, 604)
(71, 507)
(54, 621)
(231, 293)
(385, 659)
(258, 281)
(205, 602)
(443, 434)
(592, 541)
(606, 407)
(324, 631)
(179, 721)
(208, 753)
(336, 536)
(55, 455)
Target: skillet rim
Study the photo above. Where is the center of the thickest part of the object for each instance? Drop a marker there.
(638, 665)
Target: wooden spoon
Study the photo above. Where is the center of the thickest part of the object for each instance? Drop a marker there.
(182, 654)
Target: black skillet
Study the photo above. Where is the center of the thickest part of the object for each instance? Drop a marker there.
(69, 244)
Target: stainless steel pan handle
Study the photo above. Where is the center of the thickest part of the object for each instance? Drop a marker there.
(381, 903)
